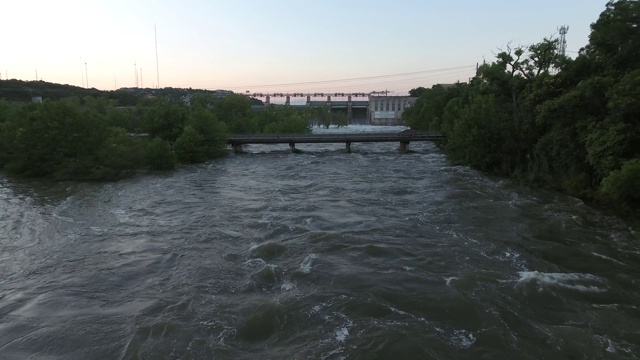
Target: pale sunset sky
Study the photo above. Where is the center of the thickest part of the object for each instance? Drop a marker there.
(277, 45)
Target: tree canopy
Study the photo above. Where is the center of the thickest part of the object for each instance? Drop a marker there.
(545, 119)
(96, 138)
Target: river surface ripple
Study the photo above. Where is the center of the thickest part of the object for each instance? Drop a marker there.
(318, 255)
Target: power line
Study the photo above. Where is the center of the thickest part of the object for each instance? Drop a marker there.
(351, 79)
(394, 83)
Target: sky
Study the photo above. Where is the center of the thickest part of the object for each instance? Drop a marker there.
(275, 46)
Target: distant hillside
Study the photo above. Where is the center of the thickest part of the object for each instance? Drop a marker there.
(18, 90)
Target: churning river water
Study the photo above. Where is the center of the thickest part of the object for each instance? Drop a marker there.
(318, 255)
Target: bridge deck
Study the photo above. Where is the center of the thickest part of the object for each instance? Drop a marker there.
(403, 137)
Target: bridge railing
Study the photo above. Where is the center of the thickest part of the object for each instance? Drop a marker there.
(333, 138)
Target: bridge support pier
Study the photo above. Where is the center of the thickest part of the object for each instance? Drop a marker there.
(349, 111)
(237, 148)
(292, 147)
(404, 147)
(348, 147)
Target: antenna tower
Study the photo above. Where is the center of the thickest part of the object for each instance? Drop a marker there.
(563, 30)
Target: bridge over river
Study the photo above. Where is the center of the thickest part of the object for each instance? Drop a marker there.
(403, 137)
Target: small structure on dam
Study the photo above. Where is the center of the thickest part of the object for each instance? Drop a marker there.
(387, 110)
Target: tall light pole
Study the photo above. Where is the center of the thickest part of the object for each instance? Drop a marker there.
(155, 33)
(81, 72)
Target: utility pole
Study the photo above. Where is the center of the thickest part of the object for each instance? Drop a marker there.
(86, 74)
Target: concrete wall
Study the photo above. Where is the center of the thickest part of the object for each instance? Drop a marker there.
(387, 110)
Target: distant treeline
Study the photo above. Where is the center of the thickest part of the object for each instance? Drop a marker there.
(18, 90)
(96, 138)
(534, 115)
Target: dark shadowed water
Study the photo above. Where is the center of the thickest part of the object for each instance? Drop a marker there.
(319, 255)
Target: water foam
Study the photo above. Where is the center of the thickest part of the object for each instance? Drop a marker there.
(121, 215)
(513, 258)
(462, 339)
(572, 281)
(287, 286)
(254, 262)
(305, 266)
(342, 334)
(607, 258)
(448, 280)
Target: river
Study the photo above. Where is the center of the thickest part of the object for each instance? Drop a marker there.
(317, 255)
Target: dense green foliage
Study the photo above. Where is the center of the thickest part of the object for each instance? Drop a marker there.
(235, 111)
(571, 125)
(70, 139)
(322, 117)
(95, 138)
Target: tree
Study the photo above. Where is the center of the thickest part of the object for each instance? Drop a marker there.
(615, 139)
(158, 155)
(213, 133)
(59, 139)
(190, 146)
(201, 99)
(417, 92)
(426, 114)
(284, 119)
(235, 111)
(120, 155)
(482, 136)
(622, 185)
(165, 119)
(614, 42)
